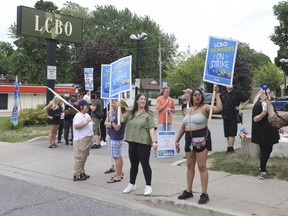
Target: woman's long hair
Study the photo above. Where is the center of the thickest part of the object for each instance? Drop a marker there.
(135, 106)
(202, 97)
(55, 103)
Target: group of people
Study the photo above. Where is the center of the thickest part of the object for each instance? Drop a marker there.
(60, 117)
(266, 125)
(137, 128)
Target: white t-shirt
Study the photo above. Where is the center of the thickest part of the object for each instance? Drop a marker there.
(85, 131)
(87, 98)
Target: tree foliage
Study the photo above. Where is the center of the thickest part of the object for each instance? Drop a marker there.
(280, 35)
(6, 50)
(104, 23)
(92, 55)
(108, 23)
(252, 57)
(186, 74)
(269, 73)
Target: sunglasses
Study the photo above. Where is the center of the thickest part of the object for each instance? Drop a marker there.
(195, 95)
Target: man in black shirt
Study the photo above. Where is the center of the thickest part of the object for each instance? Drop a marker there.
(232, 102)
(96, 115)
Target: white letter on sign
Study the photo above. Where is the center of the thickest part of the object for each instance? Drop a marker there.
(47, 24)
(58, 28)
(37, 24)
(68, 28)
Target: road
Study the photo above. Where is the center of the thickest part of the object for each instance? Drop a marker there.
(20, 198)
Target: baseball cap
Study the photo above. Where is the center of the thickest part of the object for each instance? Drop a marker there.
(188, 90)
(83, 102)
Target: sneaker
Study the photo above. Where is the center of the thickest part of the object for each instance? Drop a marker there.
(264, 176)
(268, 173)
(185, 195)
(148, 190)
(66, 143)
(95, 146)
(83, 175)
(103, 143)
(59, 141)
(78, 178)
(204, 198)
(129, 188)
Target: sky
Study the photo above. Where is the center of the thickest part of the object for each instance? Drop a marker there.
(191, 21)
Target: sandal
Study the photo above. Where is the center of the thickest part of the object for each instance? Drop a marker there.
(113, 180)
(51, 146)
(110, 170)
(115, 176)
(54, 145)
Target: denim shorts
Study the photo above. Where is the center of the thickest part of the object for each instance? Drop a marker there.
(115, 148)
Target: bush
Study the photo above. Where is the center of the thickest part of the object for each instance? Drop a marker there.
(29, 117)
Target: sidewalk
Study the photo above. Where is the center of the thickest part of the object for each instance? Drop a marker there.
(229, 194)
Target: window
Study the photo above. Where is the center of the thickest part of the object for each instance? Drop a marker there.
(3, 101)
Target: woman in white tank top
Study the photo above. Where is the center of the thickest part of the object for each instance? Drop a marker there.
(195, 125)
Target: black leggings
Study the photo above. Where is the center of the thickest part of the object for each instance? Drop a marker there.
(265, 152)
(139, 153)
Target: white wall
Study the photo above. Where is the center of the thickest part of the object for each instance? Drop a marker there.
(27, 100)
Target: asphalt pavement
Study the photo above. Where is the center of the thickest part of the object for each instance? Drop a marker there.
(35, 163)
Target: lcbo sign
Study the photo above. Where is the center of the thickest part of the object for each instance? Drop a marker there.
(58, 26)
(37, 23)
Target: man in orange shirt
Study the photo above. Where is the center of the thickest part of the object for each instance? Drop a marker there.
(165, 104)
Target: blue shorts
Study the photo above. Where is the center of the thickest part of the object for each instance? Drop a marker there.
(115, 148)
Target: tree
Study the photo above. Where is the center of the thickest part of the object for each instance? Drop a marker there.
(108, 23)
(252, 57)
(280, 35)
(269, 73)
(186, 74)
(6, 50)
(92, 55)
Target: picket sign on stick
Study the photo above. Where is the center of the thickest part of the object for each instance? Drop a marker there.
(119, 110)
(212, 103)
(110, 116)
(166, 120)
(107, 111)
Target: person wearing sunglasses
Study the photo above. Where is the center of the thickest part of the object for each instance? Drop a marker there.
(194, 126)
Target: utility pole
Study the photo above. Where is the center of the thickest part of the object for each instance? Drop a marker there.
(160, 68)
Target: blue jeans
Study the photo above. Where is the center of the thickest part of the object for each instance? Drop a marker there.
(162, 127)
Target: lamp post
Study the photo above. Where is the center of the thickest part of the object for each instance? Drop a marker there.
(284, 65)
(138, 38)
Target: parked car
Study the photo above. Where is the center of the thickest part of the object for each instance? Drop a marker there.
(281, 103)
(207, 100)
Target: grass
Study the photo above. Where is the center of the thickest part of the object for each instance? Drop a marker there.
(21, 134)
(238, 164)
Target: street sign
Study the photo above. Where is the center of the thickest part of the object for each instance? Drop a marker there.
(51, 72)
